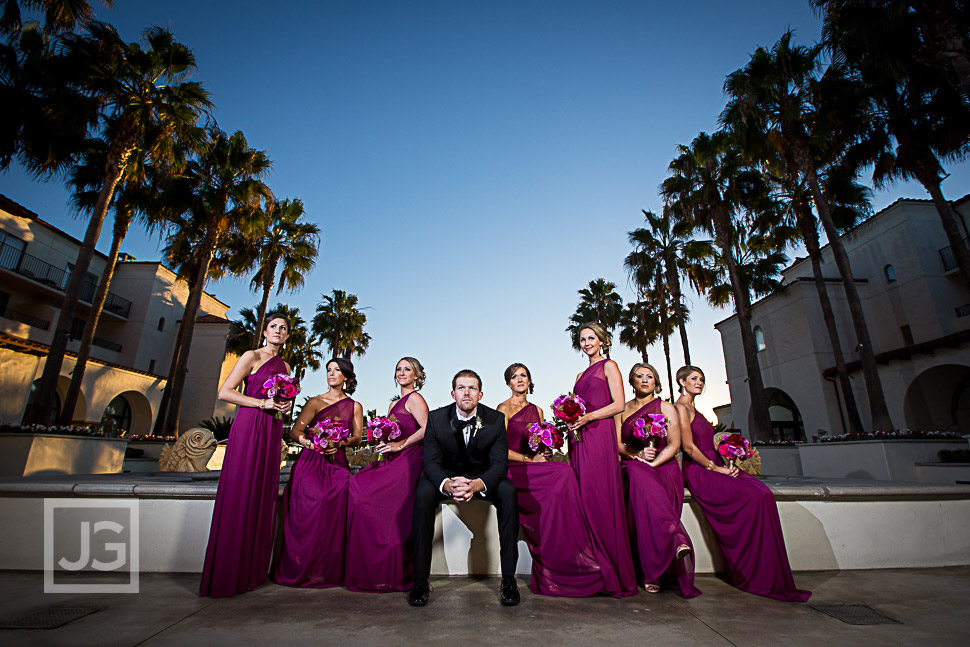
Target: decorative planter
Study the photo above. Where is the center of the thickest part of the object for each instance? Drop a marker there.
(885, 460)
(782, 460)
(23, 454)
(950, 473)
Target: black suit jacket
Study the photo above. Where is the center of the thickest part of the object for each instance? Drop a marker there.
(445, 454)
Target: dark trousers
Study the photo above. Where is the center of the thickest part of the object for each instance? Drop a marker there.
(426, 500)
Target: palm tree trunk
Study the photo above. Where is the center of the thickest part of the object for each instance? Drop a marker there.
(47, 397)
(870, 372)
(267, 287)
(931, 183)
(742, 303)
(673, 280)
(122, 221)
(160, 417)
(192, 305)
(810, 236)
(949, 43)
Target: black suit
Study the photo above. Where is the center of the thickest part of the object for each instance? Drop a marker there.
(486, 457)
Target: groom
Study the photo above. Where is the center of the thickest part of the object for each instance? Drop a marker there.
(466, 455)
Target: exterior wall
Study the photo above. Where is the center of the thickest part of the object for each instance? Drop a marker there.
(202, 384)
(908, 236)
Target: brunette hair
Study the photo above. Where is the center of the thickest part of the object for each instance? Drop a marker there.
(657, 387)
(347, 368)
(466, 372)
(601, 333)
(511, 369)
(272, 317)
(419, 375)
(684, 371)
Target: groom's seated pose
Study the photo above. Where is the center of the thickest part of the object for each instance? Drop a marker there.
(466, 455)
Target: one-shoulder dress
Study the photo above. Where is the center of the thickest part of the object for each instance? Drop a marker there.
(551, 518)
(743, 514)
(595, 458)
(379, 552)
(654, 499)
(240, 546)
(315, 512)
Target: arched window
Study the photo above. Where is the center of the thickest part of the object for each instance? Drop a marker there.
(161, 323)
(34, 394)
(890, 273)
(117, 417)
(759, 338)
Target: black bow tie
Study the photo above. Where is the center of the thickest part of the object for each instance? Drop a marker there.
(461, 424)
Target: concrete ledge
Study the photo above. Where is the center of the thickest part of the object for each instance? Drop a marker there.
(828, 524)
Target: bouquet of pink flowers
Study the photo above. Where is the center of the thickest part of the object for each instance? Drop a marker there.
(381, 429)
(327, 433)
(544, 433)
(281, 387)
(734, 447)
(567, 409)
(649, 434)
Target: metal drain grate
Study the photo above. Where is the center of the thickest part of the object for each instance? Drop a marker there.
(49, 618)
(855, 614)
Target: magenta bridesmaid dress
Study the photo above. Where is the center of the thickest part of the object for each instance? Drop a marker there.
(244, 519)
(654, 498)
(744, 517)
(552, 520)
(379, 553)
(596, 460)
(315, 512)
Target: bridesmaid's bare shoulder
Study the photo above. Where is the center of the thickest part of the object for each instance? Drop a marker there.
(542, 416)
(505, 407)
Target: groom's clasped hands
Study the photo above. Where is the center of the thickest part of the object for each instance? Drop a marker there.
(461, 489)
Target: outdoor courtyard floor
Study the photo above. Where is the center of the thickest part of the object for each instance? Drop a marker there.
(930, 605)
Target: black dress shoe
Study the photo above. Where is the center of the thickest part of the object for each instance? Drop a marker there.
(418, 596)
(510, 592)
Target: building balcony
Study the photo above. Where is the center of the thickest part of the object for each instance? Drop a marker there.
(30, 320)
(949, 258)
(17, 261)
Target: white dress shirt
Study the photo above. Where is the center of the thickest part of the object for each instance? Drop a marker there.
(467, 431)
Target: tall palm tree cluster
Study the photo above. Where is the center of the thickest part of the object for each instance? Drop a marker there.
(886, 93)
(134, 136)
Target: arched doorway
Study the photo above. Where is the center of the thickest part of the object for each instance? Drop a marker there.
(786, 420)
(63, 382)
(140, 412)
(939, 398)
(116, 419)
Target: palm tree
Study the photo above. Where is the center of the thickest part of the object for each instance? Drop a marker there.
(639, 327)
(340, 323)
(285, 239)
(218, 195)
(937, 31)
(598, 302)
(59, 15)
(146, 104)
(301, 350)
(778, 95)
(709, 185)
(661, 246)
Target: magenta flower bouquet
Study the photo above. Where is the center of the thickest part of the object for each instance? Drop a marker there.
(544, 433)
(327, 433)
(734, 447)
(649, 434)
(381, 429)
(281, 387)
(567, 409)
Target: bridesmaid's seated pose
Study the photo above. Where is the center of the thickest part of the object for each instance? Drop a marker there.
(315, 499)
(549, 512)
(654, 487)
(740, 508)
(250, 478)
(379, 553)
(595, 459)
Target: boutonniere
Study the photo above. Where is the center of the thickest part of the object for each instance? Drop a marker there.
(475, 427)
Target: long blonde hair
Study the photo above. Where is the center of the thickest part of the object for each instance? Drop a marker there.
(601, 333)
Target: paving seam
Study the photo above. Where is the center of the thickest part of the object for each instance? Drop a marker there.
(177, 622)
(696, 617)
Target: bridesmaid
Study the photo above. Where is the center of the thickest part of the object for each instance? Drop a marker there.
(549, 514)
(250, 478)
(654, 489)
(315, 499)
(740, 508)
(595, 459)
(379, 555)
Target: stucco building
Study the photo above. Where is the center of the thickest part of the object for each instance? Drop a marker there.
(917, 306)
(133, 344)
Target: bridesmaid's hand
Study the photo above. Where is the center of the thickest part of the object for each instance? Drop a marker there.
(539, 458)
(583, 420)
(731, 471)
(330, 450)
(390, 448)
(648, 453)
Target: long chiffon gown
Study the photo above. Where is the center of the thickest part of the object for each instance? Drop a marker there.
(379, 552)
(654, 498)
(315, 512)
(244, 519)
(551, 519)
(743, 514)
(596, 460)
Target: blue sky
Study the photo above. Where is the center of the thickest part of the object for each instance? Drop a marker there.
(471, 164)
